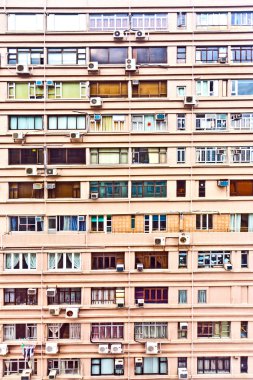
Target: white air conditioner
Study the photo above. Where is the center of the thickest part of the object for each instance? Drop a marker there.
(130, 64)
(18, 136)
(116, 348)
(184, 239)
(31, 292)
(160, 241)
(183, 325)
(50, 83)
(72, 312)
(75, 135)
(140, 34)
(139, 267)
(140, 302)
(52, 374)
(51, 292)
(151, 348)
(51, 171)
(222, 60)
(120, 267)
(31, 170)
(3, 349)
(138, 362)
(190, 101)
(228, 266)
(37, 186)
(103, 349)
(119, 363)
(118, 34)
(95, 102)
(51, 348)
(237, 116)
(26, 374)
(120, 302)
(54, 310)
(160, 116)
(22, 69)
(94, 196)
(51, 186)
(93, 66)
(182, 373)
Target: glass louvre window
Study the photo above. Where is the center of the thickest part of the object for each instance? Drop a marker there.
(149, 21)
(214, 329)
(67, 90)
(182, 296)
(20, 261)
(17, 366)
(242, 54)
(181, 155)
(204, 221)
(32, 156)
(26, 223)
(202, 296)
(241, 188)
(25, 56)
(157, 366)
(242, 18)
(64, 366)
(210, 259)
(149, 155)
(108, 55)
(105, 367)
(152, 260)
(106, 260)
(108, 21)
(149, 189)
(213, 365)
(25, 190)
(152, 295)
(103, 296)
(64, 260)
(211, 54)
(114, 189)
(20, 331)
(66, 122)
(66, 22)
(69, 296)
(150, 330)
(64, 330)
(19, 296)
(25, 122)
(66, 56)
(211, 155)
(67, 223)
(109, 89)
(105, 123)
(104, 331)
(212, 19)
(211, 122)
(241, 222)
(25, 22)
(243, 121)
(148, 123)
(242, 87)
(181, 54)
(64, 190)
(149, 89)
(207, 88)
(108, 156)
(101, 223)
(149, 55)
(66, 156)
(153, 223)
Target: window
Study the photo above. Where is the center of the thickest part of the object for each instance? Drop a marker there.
(108, 21)
(243, 154)
(149, 89)
(108, 55)
(202, 296)
(66, 122)
(26, 190)
(211, 54)
(181, 19)
(182, 296)
(181, 153)
(204, 221)
(152, 295)
(181, 188)
(63, 331)
(65, 156)
(182, 329)
(67, 223)
(244, 364)
(181, 54)
(25, 91)
(242, 87)
(25, 56)
(68, 296)
(107, 89)
(64, 260)
(242, 54)
(64, 366)
(181, 122)
(66, 22)
(20, 261)
(104, 367)
(26, 223)
(150, 330)
(181, 90)
(150, 21)
(181, 362)
(133, 221)
(19, 297)
(106, 189)
(149, 189)
(213, 365)
(108, 156)
(214, 329)
(105, 295)
(64, 190)
(20, 331)
(241, 222)
(202, 189)
(14, 366)
(152, 260)
(212, 19)
(155, 366)
(242, 121)
(149, 155)
(25, 122)
(101, 223)
(207, 88)
(32, 156)
(182, 259)
(106, 260)
(209, 122)
(105, 123)
(211, 155)
(241, 188)
(67, 90)
(148, 123)
(244, 329)
(149, 55)
(66, 56)
(211, 259)
(242, 18)
(244, 259)
(105, 331)
(25, 22)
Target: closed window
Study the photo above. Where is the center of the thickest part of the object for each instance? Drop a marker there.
(149, 89)
(20, 331)
(212, 19)
(17, 366)
(182, 259)
(182, 362)
(211, 54)
(214, 329)
(152, 295)
(66, 56)
(150, 330)
(211, 122)
(181, 155)
(182, 296)
(105, 331)
(66, 22)
(150, 21)
(181, 90)
(101, 223)
(242, 54)
(108, 156)
(181, 121)
(241, 187)
(213, 365)
(25, 122)
(156, 366)
(108, 55)
(20, 261)
(210, 259)
(31, 156)
(181, 54)
(181, 188)
(149, 189)
(105, 295)
(65, 156)
(207, 88)
(152, 260)
(202, 188)
(107, 261)
(67, 223)
(25, 91)
(107, 89)
(242, 154)
(108, 21)
(64, 260)
(20, 296)
(25, 56)
(25, 22)
(242, 18)
(148, 123)
(149, 155)
(64, 366)
(109, 189)
(66, 122)
(67, 90)
(242, 87)
(103, 367)
(212, 155)
(26, 223)
(68, 296)
(242, 121)
(26, 190)
(244, 259)
(244, 364)
(63, 189)
(106, 123)
(204, 221)
(202, 296)
(63, 331)
(150, 55)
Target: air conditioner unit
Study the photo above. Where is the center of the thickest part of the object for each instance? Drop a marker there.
(38, 219)
(93, 66)
(138, 362)
(237, 116)
(190, 101)
(228, 266)
(116, 348)
(51, 292)
(139, 267)
(94, 196)
(22, 69)
(120, 302)
(50, 83)
(18, 136)
(151, 348)
(183, 325)
(223, 183)
(118, 34)
(3, 349)
(222, 60)
(97, 117)
(160, 116)
(37, 186)
(54, 310)
(120, 267)
(160, 241)
(81, 218)
(103, 349)
(140, 34)
(184, 239)
(72, 312)
(26, 374)
(50, 186)
(52, 374)
(51, 171)
(31, 292)
(51, 348)
(130, 64)
(119, 363)
(31, 170)
(95, 102)
(39, 83)
(75, 135)
(182, 373)
(140, 302)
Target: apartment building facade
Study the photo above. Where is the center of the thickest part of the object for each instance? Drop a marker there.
(126, 190)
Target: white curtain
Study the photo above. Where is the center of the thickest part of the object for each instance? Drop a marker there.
(8, 260)
(250, 223)
(54, 328)
(107, 366)
(33, 263)
(9, 332)
(150, 365)
(74, 331)
(51, 261)
(235, 222)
